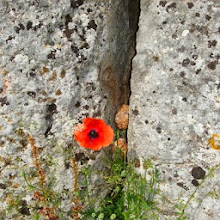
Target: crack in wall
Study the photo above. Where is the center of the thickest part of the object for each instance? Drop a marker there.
(134, 14)
(116, 69)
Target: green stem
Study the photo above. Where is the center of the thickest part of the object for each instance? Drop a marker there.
(192, 195)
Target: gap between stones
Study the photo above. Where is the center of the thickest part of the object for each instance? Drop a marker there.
(134, 14)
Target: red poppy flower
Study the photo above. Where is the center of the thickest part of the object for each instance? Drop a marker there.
(93, 134)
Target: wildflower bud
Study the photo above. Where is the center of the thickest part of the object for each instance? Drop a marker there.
(123, 173)
(101, 216)
(113, 216)
(93, 215)
(119, 179)
(121, 117)
(117, 189)
(120, 147)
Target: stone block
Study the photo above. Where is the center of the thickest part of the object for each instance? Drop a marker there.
(175, 100)
(60, 61)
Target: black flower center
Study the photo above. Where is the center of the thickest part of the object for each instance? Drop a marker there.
(93, 134)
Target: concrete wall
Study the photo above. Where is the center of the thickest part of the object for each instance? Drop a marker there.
(174, 104)
(61, 61)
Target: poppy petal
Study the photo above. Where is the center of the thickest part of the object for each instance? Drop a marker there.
(94, 134)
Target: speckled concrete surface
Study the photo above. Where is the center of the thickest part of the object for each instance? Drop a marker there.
(175, 101)
(60, 61)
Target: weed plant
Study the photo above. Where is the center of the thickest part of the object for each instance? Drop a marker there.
(131, 195)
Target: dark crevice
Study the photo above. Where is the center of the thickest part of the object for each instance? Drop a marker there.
(134, 14)
(116, 71)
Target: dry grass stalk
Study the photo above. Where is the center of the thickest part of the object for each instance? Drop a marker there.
(47, 211)
(40, 172)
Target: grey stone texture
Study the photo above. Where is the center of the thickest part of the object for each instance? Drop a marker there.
(60, 61)
(175, 101)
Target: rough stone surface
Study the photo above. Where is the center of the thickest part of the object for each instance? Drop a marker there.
(60, 61)
(175, 101)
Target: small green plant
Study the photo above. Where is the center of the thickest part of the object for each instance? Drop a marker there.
(131, 195)
(48, 202)
(140, 195)
(45, 196)
(183, 206)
